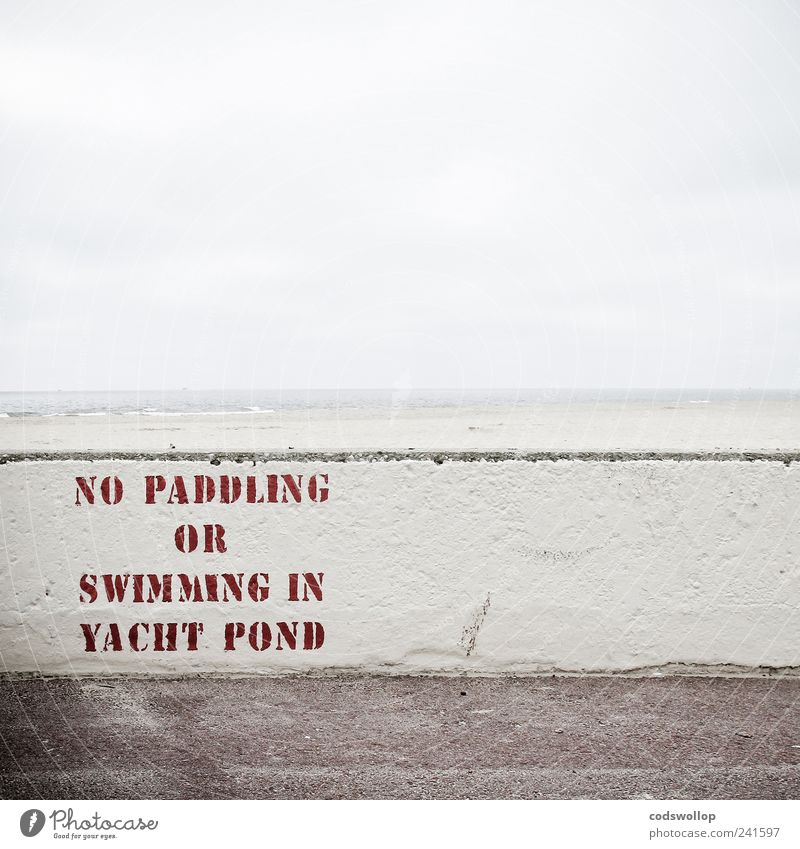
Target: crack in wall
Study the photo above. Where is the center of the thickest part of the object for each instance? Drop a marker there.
(469, 635)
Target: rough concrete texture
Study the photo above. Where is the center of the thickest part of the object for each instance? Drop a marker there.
(505, 567)
(549, 737)
(732, 425)
(438, 457)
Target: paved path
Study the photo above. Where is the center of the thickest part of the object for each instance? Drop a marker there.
(400, 738)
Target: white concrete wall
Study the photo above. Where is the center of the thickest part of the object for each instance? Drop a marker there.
(511, 567)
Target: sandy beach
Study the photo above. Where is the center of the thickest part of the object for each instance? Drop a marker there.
(768, 426)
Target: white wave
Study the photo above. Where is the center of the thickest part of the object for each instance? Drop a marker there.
(72, 413)
(247, 412)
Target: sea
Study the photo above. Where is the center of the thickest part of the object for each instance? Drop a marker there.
(247, 401)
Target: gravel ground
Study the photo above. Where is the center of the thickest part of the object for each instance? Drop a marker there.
(404, 738)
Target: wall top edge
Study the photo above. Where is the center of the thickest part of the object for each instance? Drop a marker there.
(437, 457)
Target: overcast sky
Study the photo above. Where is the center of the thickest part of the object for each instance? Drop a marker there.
(370, 194)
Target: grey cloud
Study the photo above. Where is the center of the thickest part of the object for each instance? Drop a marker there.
(525, 194)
